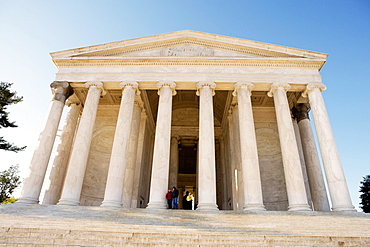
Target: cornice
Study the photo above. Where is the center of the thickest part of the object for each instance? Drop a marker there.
(190, 41)
(255, 62)
(189, 37)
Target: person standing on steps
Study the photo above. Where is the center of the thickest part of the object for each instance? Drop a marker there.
(187, 201)
(169, 199)
(175, 198)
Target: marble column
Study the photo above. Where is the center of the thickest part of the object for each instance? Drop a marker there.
(60, 164)
(139, 158)
(337, 185)
(161, 156)
(81, 147)
(238, 173)
(223, 173)
(119, 157)
(131, 161)
(234, 191)
(315, 177)
(174, 165)
(292, 166)
(303, 163)
(206, 147)
(248, 146)
(33, 183)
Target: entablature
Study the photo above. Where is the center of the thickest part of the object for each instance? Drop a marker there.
(111, 86)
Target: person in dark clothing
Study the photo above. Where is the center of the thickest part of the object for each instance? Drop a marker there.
(175, 198)
(169, 199)
(187, 201)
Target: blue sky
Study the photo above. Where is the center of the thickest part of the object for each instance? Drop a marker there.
(30, 30)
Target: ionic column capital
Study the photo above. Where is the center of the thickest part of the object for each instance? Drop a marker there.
(61, 90)
(72, 102)
(300, 111)
(175, 140)
(170, 84)
(139, 103)
(97, 84)
(175, 137)
(63, 84)
(240, 85)
(132, 84)
(230, 111)
(312, 86)
(276, 86)
(143, 113)
(202, 84)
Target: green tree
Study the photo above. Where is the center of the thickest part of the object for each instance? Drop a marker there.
(7, 98)
(365, 196)
(9, 181)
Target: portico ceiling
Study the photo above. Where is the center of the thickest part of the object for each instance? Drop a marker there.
(188, 99)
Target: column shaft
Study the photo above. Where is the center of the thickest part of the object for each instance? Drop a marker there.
(232, 158)
(174, 164)
(248, 144)
(339, 194)
(139, 158)
(119, 157)
(206, 146)
(60, 164)
(81, 147)
(237, 173)
(33, 183)
(161, 156)
(314, 173)
(303, 163)
(223, 173)
(131, 162)
(292, 167)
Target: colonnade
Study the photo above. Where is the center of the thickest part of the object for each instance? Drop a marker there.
(161, 170)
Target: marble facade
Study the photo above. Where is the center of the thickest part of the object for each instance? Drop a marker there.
(224, 118)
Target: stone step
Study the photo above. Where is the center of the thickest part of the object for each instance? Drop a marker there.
(94, 226)
(164, 242)
(49, 237)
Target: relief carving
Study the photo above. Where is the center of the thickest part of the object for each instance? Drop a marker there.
(187, 51)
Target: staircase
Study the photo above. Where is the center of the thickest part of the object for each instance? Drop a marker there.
(37, 225)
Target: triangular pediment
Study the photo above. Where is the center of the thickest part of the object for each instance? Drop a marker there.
(183, 49)
(187, 44)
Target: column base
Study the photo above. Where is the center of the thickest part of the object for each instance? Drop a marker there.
(254, 207)
(68, 202)
(344, 208)
(299, 207)
(156, 205)
(207, 207)
(27, 200)
(111, 204)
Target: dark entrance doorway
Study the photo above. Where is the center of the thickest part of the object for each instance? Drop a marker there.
(187, 173)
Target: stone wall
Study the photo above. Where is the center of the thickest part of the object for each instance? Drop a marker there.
(271, 164)
(93, 188)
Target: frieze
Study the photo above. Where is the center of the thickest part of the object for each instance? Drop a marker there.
(186, 62)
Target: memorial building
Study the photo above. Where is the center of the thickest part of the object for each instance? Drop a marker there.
(224, 118)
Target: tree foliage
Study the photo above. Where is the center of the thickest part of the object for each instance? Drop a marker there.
(9, 181)
(7, 98)
(365, 196)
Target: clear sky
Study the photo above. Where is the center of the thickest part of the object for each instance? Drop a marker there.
(30, 30)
